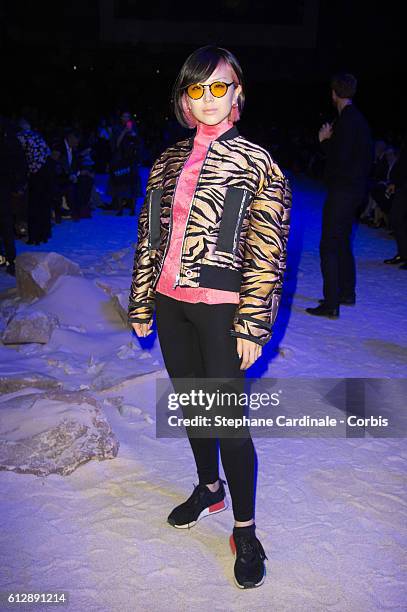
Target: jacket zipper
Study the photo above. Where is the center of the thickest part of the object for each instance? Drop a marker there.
(176, 284)
(149, 221)
(167, 246)
(238, 223)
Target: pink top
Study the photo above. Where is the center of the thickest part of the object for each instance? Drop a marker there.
(182, 202)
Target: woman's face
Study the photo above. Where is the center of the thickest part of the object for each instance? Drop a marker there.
(209, 109)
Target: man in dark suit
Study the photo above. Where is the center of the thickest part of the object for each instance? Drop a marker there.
(349, 154)
(67, 172)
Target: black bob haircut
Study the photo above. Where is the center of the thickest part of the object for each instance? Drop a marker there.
(197, 68)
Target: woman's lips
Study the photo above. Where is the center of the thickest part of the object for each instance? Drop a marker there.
(209, 110)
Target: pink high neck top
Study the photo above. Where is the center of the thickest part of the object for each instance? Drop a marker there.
(184, 193)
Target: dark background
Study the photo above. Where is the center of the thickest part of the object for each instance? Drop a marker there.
(42, 41)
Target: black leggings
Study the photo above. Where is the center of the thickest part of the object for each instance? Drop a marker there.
(195, 342)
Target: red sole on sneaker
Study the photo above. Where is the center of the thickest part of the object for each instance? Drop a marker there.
(217, 507)
(214, 509)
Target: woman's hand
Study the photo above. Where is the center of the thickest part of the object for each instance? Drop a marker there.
(142, 329)
(248, 352)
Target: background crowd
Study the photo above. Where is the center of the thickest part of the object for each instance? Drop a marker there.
(48, 169)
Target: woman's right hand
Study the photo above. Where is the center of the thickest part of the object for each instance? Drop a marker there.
(142, 329)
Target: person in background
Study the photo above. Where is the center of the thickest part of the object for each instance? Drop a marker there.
(84, 186)
(397, 193)
(13, 179)
(379, 192)
(102, 149)
(124, 181)
(378, 173)
(40, 183)
(349, 154)
(68, 172)
(55, 160)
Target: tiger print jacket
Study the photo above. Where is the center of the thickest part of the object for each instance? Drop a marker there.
(236, 234)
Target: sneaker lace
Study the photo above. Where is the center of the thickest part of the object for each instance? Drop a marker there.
(249, 546)
(197, 494)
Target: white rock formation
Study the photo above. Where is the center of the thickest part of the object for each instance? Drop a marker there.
(53, 432)
(36, 273)
(29, 326)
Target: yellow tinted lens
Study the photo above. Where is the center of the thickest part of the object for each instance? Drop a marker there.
(195, 91)
(218, 89)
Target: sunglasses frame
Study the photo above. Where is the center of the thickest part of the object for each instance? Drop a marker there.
(203, 89)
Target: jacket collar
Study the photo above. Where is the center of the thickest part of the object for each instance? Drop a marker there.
(228, 135)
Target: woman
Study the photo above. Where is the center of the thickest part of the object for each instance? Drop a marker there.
(40, 183)
(210, 257)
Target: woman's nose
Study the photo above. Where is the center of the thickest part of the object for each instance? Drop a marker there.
(207, 95)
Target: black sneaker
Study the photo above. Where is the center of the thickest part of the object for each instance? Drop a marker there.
(250, 569)
(201, 503)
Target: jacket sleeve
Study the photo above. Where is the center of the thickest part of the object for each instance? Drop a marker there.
(142, 295)
(265, 259)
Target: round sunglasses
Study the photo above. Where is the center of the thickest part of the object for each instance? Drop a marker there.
(218, 89)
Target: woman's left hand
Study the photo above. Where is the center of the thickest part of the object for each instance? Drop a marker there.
(248, 352)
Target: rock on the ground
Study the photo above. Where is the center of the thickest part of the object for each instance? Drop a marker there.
(30, 326)
(120, 302)
(117, 255)
(113, 284)
(53, 432)
(36, 273)
(117, 372)
(122, 261)
(286, 352)
(10, 381)
(118, 288)
(8, 308)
